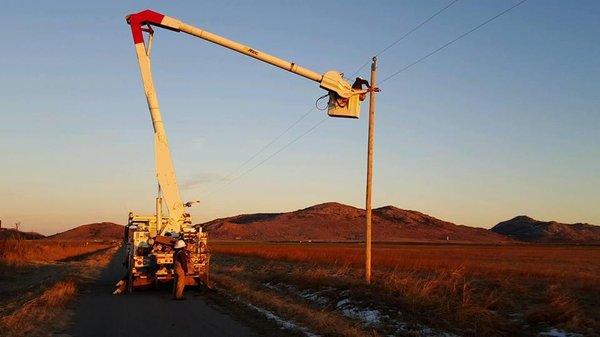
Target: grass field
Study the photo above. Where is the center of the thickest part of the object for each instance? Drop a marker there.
(421, 289)
(418, 289)
(24, 252)
(38, 280)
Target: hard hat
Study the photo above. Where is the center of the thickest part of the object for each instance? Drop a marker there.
(179, 244)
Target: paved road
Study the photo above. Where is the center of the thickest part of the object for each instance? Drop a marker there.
(148, 314)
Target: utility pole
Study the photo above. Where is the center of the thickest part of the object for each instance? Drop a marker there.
(369, 193)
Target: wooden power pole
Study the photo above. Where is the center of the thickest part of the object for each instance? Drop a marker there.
(369, 193)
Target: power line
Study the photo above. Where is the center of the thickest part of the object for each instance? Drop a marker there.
(323, 120)
(413, 63)
(319, 123)
(407, 34)
(453, 41)
(267, 145)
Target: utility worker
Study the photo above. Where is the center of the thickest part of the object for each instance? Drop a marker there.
(180, 264)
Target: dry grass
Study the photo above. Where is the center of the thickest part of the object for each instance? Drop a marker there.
(468, 289)
(19, 252)
(559, 309)
(44, 309)
(35, 290)
(317, 320)
(534, 261)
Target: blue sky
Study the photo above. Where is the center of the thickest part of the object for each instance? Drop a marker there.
(504, 122)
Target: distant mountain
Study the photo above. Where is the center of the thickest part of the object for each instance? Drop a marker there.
(93, 231)
(9, 233)
(524, 228)
(337, 222)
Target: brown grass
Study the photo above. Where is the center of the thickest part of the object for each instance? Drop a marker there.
(472, 290)
(19, 252)
(46, 308)
(36, 290)
(550, 262)
(559, 309)
(317, 320)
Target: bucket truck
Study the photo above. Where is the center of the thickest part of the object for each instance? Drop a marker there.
(150, 238)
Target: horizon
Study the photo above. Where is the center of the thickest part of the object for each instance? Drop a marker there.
(294, 210)
(503, 122)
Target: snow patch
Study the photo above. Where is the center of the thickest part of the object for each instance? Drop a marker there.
(315, 297)
(414, 329)
(342, 301)
(367, 315)
(559, 333)
(284, 324)
(271, 286)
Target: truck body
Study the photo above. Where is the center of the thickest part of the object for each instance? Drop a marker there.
(149, 258)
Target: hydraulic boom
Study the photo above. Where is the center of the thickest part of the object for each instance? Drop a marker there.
(149, 237)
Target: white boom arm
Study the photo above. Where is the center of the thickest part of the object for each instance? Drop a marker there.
(344, 99)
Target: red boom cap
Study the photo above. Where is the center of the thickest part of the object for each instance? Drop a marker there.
(146, 17)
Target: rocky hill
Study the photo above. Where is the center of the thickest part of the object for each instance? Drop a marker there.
(338, 222)
(93, 231)
(524, 228)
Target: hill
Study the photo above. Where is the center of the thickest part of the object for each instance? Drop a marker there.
(337, 222)
(9, 233)
(93, 231)
(524, 228)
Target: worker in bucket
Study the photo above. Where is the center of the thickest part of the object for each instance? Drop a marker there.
(180, 264)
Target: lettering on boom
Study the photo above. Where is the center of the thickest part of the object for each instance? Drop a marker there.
(252, 51)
